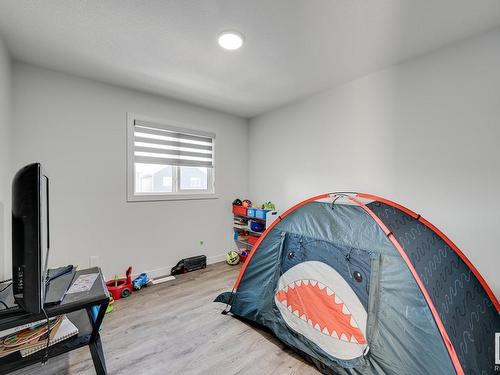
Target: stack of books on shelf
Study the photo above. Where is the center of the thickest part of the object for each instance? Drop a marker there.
(31, 338)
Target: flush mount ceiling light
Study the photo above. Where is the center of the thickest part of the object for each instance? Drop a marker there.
(230, 40)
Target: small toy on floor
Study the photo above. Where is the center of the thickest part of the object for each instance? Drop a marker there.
(232, 258)
(121, 288)
(140, 281)
(109, 309)
(189, 264)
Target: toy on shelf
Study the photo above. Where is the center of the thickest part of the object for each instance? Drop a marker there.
(240, 207)
(244, 255)
(257, 226)
(249, 223)
(121, 288)
(246, 203)
(269, 206)
(140, 281)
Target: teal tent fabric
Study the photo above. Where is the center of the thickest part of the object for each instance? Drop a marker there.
(322, 256)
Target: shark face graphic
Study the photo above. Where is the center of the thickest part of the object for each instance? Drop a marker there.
(317, 302)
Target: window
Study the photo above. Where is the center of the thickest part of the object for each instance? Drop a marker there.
(168, 162)
(193, 178)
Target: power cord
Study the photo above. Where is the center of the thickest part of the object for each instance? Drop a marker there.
(46, 354)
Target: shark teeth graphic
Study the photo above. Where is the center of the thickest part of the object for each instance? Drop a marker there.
(315, 325)
(336, 322)
(329, 292)
(345, 310)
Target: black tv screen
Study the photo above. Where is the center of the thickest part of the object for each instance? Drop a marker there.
(30, 237)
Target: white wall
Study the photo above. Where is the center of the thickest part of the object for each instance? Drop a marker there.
(424, 133)
(77, 129)
(5, 157)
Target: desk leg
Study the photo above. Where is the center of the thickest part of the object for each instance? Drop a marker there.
(98, 356)
(95, 344)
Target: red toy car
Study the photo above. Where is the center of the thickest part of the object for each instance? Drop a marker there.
(121, 288)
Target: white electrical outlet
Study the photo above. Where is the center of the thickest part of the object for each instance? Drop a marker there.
(94, 261)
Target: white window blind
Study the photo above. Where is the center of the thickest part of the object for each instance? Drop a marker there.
(160, 144)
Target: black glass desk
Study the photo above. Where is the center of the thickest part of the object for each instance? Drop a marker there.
(79, 308)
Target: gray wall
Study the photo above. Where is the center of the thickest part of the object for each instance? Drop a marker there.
(77, 129)
(5, 157)
(424, 133)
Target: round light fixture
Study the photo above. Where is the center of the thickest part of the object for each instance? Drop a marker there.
(230, 40)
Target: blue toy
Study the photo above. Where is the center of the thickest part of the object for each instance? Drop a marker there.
(140, 281)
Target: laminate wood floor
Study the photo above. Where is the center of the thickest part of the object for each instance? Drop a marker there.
(175, 328)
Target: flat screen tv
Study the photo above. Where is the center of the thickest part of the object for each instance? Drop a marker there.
(30, 237)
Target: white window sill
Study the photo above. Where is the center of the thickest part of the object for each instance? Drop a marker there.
(170, 197)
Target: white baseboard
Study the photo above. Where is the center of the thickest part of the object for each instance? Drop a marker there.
(165, 271)
(216, 258)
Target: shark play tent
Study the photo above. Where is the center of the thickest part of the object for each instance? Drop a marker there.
(362, 285)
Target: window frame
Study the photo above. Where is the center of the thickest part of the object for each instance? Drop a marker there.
(177, 194)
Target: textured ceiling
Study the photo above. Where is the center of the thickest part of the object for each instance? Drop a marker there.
(293, 47)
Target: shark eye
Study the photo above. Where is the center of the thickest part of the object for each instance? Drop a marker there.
(291, 254)
(357, 276)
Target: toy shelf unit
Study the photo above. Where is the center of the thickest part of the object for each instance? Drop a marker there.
(248, 225)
